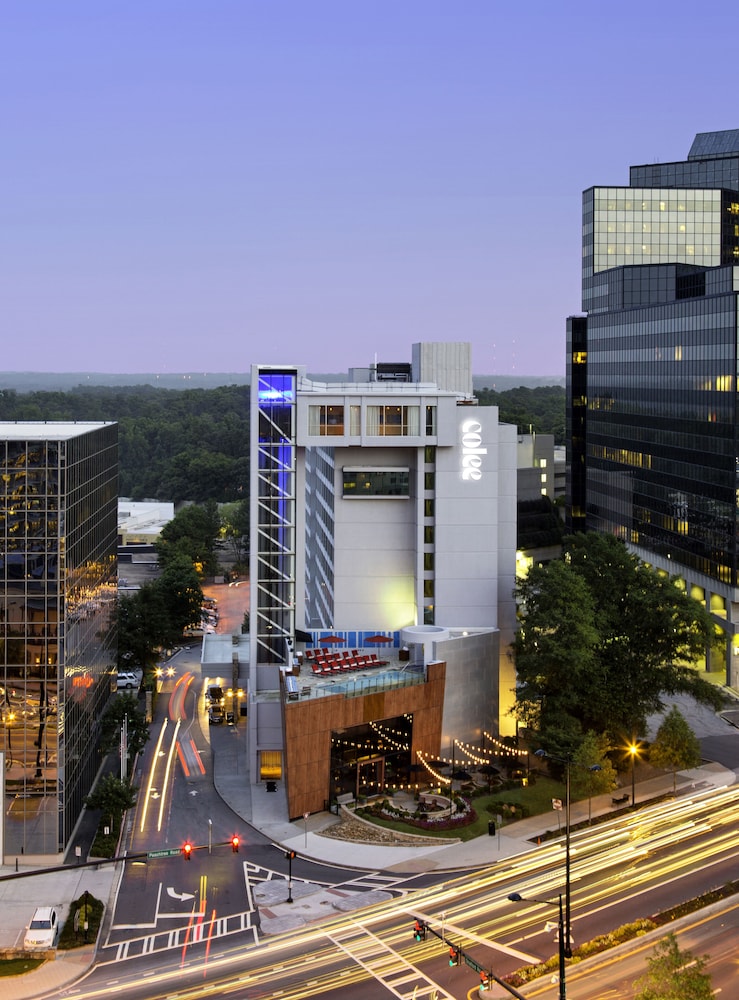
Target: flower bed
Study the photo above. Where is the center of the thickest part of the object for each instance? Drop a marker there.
(420, 819)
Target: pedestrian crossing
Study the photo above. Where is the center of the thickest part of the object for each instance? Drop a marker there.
(388, 967)
(196, 932)
(200, 929)
(369, 880)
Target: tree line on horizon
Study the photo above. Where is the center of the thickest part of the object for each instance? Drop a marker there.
(193, 444)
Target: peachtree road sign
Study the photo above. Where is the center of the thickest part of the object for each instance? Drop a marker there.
(171, 853)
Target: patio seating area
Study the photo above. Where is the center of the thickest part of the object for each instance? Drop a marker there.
(326, 661)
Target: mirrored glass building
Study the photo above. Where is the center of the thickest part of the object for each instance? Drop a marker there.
(58, 534)
(652, 369)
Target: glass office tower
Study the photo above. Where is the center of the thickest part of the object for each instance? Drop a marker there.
(58, 535)
(652, 368)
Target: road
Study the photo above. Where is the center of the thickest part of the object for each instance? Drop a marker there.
(204, 936)
(220, 922)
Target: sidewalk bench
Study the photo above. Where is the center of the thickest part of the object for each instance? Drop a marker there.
(619, 801)
(346, 799)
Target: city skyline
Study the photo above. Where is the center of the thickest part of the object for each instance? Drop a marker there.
(192, 188)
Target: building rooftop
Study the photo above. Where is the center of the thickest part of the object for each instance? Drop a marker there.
(44, 430)
(714, 144)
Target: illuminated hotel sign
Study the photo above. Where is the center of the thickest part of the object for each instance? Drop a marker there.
(472, 451)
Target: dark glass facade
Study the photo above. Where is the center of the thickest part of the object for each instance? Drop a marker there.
(58, 525)
(652, 365)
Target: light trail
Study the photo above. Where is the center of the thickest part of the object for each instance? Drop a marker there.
(150, 783)
(167, 772)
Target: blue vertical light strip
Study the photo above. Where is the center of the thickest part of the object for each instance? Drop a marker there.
(276, 519)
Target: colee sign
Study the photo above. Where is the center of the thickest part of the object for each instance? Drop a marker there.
(472, 451)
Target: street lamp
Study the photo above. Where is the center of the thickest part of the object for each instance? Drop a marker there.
(516, 897)
(567, 762)
(633, 749)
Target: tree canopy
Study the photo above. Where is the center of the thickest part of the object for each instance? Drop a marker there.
(235, 529)
(602, 638)
(173, 445)
(112, 795)
(193, 444)
(593, 773)
(675, 746)
(540, 409)
(191, 534)
(157, 615)
(674, 974)
(124, 706)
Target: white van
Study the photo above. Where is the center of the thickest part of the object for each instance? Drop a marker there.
(128, 680)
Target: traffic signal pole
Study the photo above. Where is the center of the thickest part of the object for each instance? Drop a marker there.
(457, 955)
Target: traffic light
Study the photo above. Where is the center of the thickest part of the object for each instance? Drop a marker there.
(419, 930)
(187, 850)
(485, 982)
(289, 855)
(235, 844)
(453, 955)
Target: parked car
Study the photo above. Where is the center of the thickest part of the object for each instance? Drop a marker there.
(128, 680)
(215, 714)
(43, 930)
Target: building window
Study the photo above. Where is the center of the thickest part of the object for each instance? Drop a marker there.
(428, 535)
(428, 508)
(393, 421)
(376, 482)
(428, 588)
(429, 454)
(324, 421)
(270, 765)
(355, 420)
(431, 421)
(428, 562)
(429, 481)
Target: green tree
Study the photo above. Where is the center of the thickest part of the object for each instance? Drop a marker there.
(555, 652)
(602, 638)
(173, 445)
(584, 781)
(235, 528)
(179, 597)
(541, 409)
(124, 706)
(112, 796)
(674, 974)
(676, 746)
(141, 623)
(192, 533)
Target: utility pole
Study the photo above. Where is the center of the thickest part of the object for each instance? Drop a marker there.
(124, 749)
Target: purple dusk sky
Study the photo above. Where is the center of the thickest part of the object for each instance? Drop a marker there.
(199, 185)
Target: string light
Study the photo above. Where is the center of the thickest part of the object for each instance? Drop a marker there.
(503, 748)
(384, 735)
(439, 777)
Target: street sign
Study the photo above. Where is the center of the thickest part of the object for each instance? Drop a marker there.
(173, 852)
(557, 804)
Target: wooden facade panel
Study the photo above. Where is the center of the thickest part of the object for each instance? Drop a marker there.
(309, 724)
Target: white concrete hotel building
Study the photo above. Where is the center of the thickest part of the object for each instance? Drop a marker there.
(381, 506)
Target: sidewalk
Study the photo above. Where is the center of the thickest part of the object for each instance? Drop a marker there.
(267, 811)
